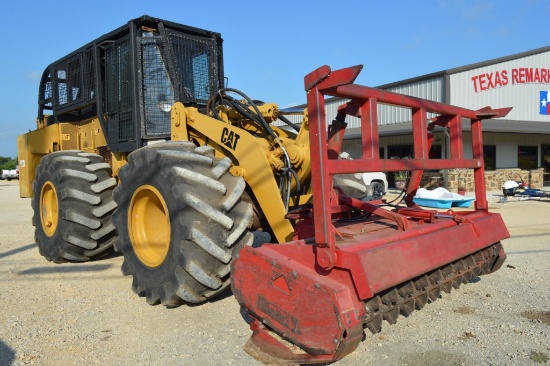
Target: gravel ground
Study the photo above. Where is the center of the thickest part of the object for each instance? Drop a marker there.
(86, 314)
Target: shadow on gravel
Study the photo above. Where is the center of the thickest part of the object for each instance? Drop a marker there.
(221, 296)
(434, 358)
(529, 251)
(7, 355)
(5, 185)
(224, 295)
(67, 268)
(18, 250)
(537, 316)
(475, 279)
(529, 235)
(109, 255)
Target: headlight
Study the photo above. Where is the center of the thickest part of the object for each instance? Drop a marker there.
(165, 106)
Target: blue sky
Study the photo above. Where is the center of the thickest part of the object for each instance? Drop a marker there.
(270, 46)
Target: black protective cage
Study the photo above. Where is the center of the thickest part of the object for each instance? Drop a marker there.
(130, 77)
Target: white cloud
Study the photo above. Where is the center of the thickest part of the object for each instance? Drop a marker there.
(476, 10)
(502, 32)
(415, 43)
(33, 76)
(470, 10)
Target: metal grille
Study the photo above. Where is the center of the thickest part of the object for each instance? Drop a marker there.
(193, 57)
(68, 77)
(47, 92)
(89, 75)
(111, 80)
(68, 88)
(157, 89)
(126, 117)
(118, 87)
(105, 153)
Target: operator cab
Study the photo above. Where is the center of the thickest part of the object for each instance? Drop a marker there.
(168, 62)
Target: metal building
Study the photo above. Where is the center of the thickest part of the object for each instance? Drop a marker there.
(517, 147)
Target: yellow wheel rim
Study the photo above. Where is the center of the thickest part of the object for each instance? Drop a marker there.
(149, 226)
(49, 209)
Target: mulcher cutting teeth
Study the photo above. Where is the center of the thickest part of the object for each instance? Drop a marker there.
(413, 295)
(354, 264)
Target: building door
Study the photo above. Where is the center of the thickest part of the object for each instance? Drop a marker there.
(545, 163)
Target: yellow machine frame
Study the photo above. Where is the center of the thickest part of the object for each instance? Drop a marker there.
(255, 159)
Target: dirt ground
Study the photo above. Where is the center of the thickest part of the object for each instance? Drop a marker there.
(87, 314)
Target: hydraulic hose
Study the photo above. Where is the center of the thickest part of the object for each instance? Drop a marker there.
(288, 122)
(287, 173)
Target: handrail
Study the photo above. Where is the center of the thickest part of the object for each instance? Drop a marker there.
(325, 147)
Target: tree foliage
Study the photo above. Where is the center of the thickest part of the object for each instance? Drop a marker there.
(7, 163)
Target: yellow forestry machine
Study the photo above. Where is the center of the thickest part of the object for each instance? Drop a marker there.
(140, 147)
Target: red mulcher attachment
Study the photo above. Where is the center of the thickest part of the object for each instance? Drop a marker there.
(354, 264)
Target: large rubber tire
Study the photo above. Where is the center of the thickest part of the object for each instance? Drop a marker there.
(180, 222)
(352, 185)
(72, 206)
(377, 190)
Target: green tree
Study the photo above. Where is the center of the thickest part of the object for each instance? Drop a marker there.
(7, 163)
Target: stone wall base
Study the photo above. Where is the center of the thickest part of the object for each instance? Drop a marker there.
(493, 179)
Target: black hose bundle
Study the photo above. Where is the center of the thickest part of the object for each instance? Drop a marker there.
(222, 98)
(287, 173)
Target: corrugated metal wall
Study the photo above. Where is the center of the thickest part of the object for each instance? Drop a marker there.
(353, 146)
(506, 145)
(432, 89)
(472, 89)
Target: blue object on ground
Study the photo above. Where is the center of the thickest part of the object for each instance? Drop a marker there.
(441, 198)
(531, 192)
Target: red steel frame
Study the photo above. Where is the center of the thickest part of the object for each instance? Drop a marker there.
(364, 101)
(311, 291)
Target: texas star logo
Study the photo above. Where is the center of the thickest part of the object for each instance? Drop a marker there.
(544, 103)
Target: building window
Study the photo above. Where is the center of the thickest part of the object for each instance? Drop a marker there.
(353, 148)
(435, 152)
(490, 157)
(400, 151)
(527, 157)
(407, 152)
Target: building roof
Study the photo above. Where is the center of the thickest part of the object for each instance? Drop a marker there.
(465, 68)
(455, 70)
(497, 125)
(489, 125)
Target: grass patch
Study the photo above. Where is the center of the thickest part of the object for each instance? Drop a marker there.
(537, 316)
(466, 310)
(539, 357)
